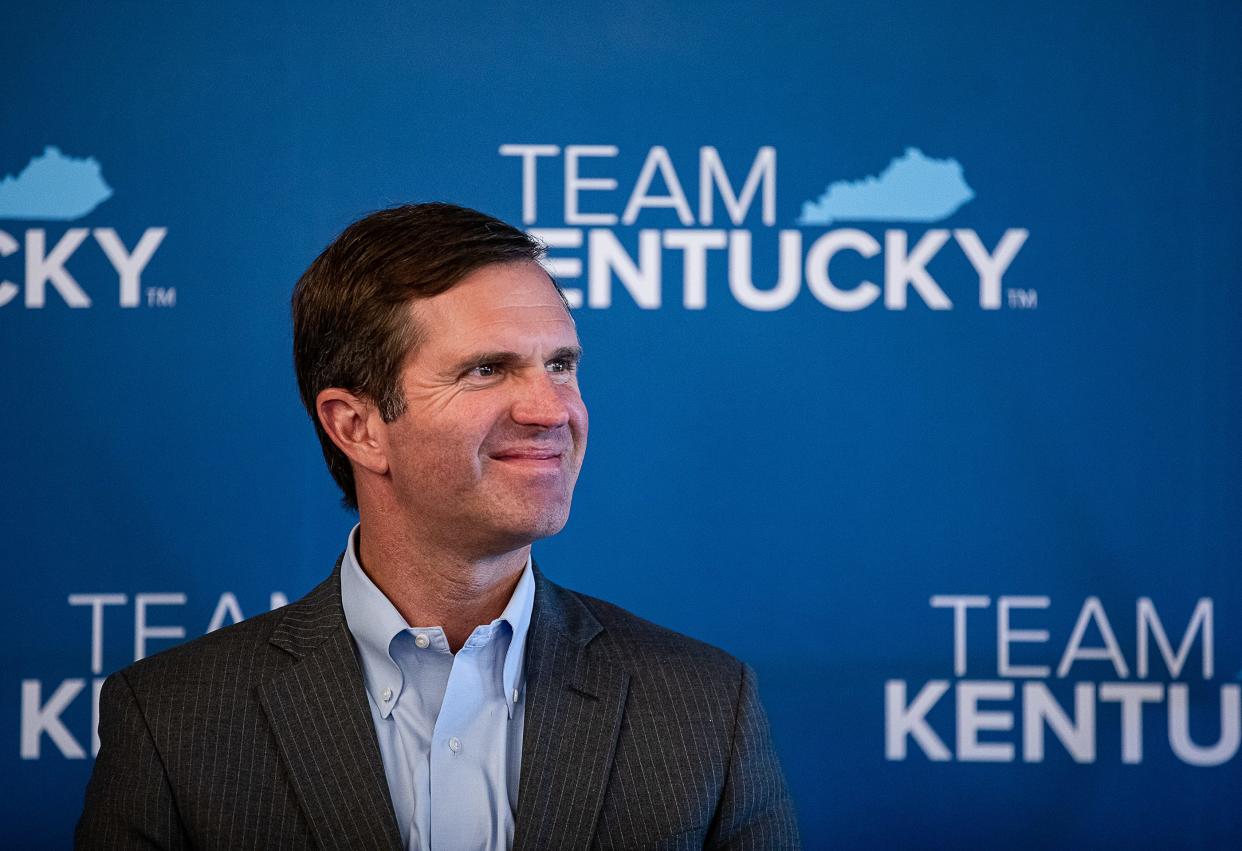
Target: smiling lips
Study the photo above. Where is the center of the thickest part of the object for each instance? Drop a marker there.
(530, 456)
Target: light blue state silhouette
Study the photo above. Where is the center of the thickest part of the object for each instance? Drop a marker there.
(913, 188)
(53, 187)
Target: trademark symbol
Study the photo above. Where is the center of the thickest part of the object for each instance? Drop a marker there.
(167, 297)
(1020, 299)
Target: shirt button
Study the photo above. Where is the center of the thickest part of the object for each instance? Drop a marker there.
(422, 641)
(386, 694)
(454, 744)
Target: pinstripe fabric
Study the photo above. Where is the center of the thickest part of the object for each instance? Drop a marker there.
(256, 736)
(259, 736)
(637, 737)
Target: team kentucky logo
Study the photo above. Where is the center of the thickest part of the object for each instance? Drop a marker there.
(54, 187)
(581, 212)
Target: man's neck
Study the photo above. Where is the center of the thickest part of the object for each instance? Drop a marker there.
(430, 586)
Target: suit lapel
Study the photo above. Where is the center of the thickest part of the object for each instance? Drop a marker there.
(575, 698)
(319, 714)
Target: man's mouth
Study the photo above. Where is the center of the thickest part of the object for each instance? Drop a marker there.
(529, 455)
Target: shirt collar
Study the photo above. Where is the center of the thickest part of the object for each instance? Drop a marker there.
(518, 613)
(375, 622)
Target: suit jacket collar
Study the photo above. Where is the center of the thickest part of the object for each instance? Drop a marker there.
(575, 698)
(322, 724)
(313, 619)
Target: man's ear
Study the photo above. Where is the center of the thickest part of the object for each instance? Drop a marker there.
(354, 424)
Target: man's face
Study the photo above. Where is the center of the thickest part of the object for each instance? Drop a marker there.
(486, 455)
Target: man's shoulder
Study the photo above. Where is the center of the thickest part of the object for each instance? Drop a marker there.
(243, 648)
(641, 644)
(246, 652)
(675, 682)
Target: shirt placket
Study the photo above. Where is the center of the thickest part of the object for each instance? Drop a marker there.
(461, 803)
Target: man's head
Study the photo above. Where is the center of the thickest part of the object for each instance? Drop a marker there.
(438, 362)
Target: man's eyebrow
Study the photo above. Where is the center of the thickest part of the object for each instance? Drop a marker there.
(569, 353)
(511, 359)
(479, 358)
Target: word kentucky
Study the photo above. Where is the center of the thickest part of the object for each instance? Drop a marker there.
(585, 243)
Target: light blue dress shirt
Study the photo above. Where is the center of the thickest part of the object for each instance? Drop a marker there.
(449, 725)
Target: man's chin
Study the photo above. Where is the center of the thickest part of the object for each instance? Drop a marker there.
(526, 530)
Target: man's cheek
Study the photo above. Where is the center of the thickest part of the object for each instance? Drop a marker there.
(583, 423)
(436, 462)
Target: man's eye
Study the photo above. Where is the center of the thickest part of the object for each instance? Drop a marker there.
(560, 365)
(485, 370)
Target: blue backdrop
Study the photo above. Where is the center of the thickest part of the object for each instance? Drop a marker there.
(912, 352)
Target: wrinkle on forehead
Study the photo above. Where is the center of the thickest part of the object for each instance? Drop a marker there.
(513, 306)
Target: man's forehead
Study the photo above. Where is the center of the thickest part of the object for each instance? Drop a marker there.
(514, 305)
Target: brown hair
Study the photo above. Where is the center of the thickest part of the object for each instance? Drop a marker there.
(351, 324)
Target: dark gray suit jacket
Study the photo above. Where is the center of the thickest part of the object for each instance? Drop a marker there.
(259, 736)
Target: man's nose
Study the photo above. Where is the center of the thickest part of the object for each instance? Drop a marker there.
(541, 402)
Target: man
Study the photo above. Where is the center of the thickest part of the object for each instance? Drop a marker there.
(437, 691)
